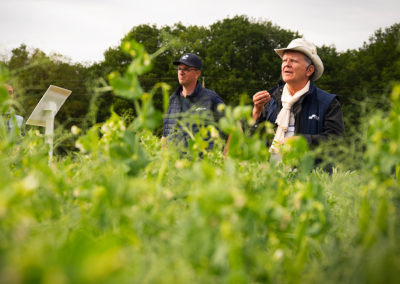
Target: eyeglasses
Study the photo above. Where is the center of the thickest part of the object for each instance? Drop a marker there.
(185, 69)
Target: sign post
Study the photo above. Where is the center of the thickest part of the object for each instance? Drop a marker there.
(46, 110)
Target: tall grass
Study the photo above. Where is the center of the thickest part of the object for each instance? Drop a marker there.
(122, 210)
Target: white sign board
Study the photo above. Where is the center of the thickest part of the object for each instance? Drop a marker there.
(52, 100)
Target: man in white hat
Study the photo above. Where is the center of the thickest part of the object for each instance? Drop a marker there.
(298, 107)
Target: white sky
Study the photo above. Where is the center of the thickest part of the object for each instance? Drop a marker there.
(83, 29)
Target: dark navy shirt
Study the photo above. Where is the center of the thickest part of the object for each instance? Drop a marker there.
(190, 113)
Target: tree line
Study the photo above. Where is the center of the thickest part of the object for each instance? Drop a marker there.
(238, 58)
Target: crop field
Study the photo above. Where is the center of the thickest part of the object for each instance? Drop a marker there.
(119, 208)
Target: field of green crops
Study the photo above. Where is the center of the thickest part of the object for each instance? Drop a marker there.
(122, 210)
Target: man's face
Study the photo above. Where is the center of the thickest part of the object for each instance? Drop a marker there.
(10, 91)
(187, 75)
(295, 68)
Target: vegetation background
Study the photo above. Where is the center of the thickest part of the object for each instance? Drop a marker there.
(113, 208)
(238, 61)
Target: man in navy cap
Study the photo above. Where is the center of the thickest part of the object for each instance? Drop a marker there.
(191, 106)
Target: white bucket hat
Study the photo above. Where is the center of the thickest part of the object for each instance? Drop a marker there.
(307, 48)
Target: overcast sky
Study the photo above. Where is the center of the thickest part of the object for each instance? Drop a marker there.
(83, 29)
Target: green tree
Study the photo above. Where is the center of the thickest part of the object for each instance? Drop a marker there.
(363, 78)
(33, 71)
(117, 60)
(238, 57)
(241, 58)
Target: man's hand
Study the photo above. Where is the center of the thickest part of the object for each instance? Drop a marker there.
(291, 138)
(163, 142)
(259, 100)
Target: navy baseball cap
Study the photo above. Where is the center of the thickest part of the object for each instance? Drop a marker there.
(189, 59)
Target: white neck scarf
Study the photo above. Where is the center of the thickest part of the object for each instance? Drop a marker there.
(283, 117)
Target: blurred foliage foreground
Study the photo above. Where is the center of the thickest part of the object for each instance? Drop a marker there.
(122, 210)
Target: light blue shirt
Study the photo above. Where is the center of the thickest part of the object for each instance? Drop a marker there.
(18, 120)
